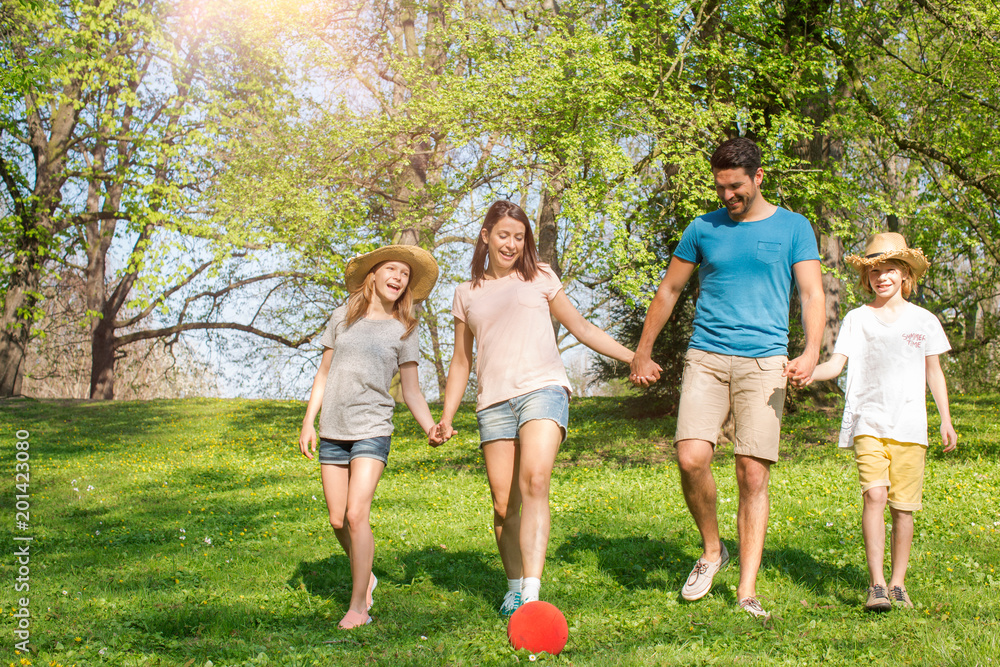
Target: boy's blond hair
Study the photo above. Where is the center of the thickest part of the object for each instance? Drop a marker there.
(865, 283)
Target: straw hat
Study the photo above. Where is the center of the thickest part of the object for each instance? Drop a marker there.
(890, 245)
(423, 268)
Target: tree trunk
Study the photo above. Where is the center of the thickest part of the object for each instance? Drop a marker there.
(831, 251)
(102, 369)
(33, 232)
(438, 356)
(548, 231)
(15, 328)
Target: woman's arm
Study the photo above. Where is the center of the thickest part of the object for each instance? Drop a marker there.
(828, 370)
(590, 335)
(458, 378)
(307, 435)
(939, 390)
(409, 382)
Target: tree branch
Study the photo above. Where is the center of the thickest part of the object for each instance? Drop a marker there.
(214, 295)
(163, 332)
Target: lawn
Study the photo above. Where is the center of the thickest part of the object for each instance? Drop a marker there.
(193, 533)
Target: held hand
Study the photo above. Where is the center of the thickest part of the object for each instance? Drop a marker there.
(645, 371)
(440, 433)
(447, 432)
(799, 370)
(307, 437)
(948, 436)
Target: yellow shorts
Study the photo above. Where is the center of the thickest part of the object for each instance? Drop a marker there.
(753, 389)
(897, 465)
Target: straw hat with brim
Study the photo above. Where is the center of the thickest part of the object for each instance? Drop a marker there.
(890, 245)
(423, 268)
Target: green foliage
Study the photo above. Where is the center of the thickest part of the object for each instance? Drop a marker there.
(113, 161)
(258, 577)
(306, 134)
(669, 348)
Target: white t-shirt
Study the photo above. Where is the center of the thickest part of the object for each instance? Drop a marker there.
(516, 351)
(886, 373)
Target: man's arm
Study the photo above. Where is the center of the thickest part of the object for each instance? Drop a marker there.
(809, 278)
(644, 369)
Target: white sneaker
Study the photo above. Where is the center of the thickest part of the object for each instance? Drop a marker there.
(511, 601)
(699, 582)
(372, 583)
(751, 605)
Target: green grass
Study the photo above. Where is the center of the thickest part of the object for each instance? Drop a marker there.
(258, 577)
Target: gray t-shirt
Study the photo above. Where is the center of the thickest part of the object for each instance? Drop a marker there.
(366, 356)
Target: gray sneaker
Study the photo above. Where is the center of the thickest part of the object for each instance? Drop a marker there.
(878, 599)
(899, 597)
(699, 582)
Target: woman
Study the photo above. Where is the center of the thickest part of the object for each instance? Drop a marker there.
(366, 342)
(523, 393)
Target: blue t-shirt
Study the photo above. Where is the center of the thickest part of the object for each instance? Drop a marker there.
(745, 277)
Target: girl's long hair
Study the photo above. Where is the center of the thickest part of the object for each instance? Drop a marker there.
(360, 299)
(527, 263)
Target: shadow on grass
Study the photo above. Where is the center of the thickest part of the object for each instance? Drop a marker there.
(190, 633)
(468, 571)
(255, 425)
(327, 577)
(153, 520)
(638, 563)
(820, 577)
(70, 428)
(635, 563)
(472, 574)
(221, 480)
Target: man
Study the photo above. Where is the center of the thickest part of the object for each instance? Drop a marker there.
(748, 254)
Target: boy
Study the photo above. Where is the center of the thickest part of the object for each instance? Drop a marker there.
(893, 348)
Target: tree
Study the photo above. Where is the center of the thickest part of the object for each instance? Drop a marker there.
(924, 79)
(126, 165)
(42, 126)
(872, 115)
(60, 361)
(440, 108)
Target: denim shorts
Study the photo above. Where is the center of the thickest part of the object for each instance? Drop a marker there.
(342, 452)
(503, 420)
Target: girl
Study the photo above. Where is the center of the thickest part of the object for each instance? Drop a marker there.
(892, 349)
(523, 393)
(366, 341)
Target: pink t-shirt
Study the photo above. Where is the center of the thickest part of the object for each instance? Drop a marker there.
(516, 351)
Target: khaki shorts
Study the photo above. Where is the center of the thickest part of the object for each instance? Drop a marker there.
(753, 389)
(898, 465)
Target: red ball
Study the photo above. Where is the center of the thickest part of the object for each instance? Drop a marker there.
(538, 626)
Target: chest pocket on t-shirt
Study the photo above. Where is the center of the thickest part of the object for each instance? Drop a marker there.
(768, 252)
(529, 297)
